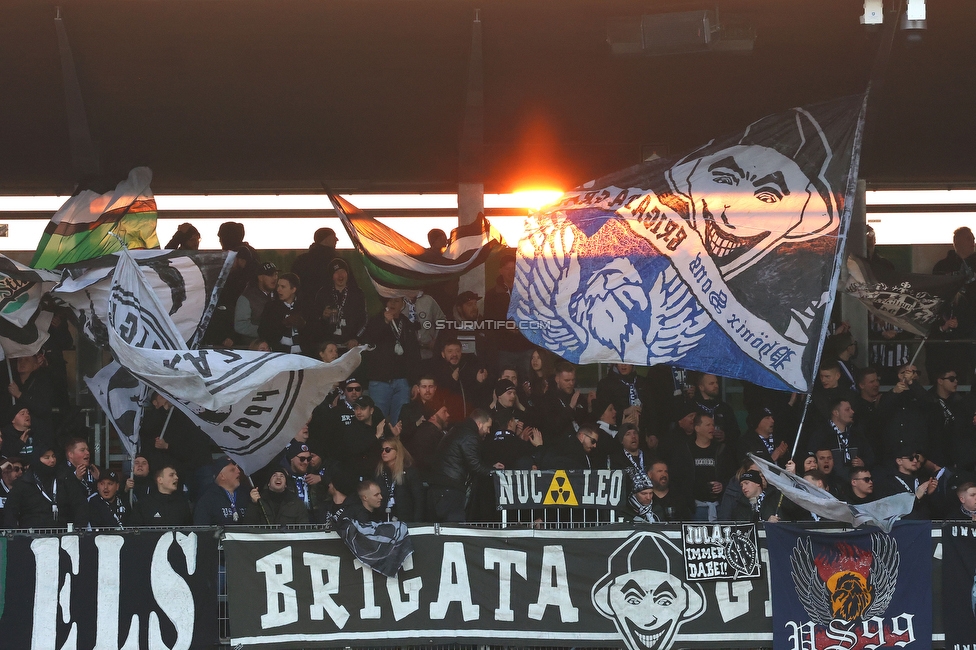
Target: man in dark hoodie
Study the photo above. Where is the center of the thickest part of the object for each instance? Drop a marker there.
(220, 505)
(41, 499)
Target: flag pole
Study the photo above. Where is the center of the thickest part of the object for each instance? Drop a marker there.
(259, 504)
(915, 356)
(10, 373)
(166, 423)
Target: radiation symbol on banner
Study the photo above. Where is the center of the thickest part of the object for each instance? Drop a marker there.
(560, 492)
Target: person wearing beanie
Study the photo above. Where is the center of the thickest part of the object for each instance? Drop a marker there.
(759, 502)
(339, 307)
(422, 445)
(641, 501)
(41, 499)
(221, 505)
(20, 437)
(761, 440)
(275, 504)
(140, 484)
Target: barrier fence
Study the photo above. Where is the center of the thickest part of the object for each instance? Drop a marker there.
(661, 586)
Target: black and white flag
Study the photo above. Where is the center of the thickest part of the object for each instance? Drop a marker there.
(250, 403)
(187, 284)
(121, 397)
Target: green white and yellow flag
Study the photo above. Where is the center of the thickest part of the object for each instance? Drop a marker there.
(84, 226)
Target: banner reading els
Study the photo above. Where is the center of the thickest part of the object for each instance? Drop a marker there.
(860, 590)
(127, 590)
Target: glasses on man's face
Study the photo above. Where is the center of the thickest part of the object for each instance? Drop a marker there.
(593, 439)
(354, 389)
(387, 450)
(866, 479)
(951, 378)
(16, 469)
(913, 457)
(303, 459)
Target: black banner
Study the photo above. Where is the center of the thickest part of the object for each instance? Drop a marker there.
(720, 552)
(98, 591)
(612, 586)
(604, 489)
(959, 584)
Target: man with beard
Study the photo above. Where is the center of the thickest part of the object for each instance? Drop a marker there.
(707, 393)
(669, 503)
(631, 456)
(944, 414)
(275, 504)
(563, 408)
(459, 380)
(308, 485)
(629, 393)
(423, 444)
(325, 429)
(340, 309)
(870, 407)
(166, 505)
(220, 504)
(412, 413)
(458, 464)
(105, 508)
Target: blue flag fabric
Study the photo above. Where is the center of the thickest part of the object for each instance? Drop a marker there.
(858, 590)
(725, 260)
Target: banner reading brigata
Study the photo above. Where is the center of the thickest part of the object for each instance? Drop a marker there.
(581, 588)
(148, 589)
(725, 260)
(858, 591)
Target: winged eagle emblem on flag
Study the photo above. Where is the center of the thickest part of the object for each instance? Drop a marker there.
(850, 585)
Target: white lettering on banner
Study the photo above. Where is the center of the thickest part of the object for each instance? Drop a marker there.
(602, 487)
(872, 634)
(454, 590)
(554, 587)
(733, 598)
(506, 560)
(369, 610)
(169, 589)
(282, 600)
(172, 592)
(536, 493)
(107, 626)
(411, 588)
(323, 589)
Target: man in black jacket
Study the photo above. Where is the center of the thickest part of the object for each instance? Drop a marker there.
(313, 266)
(563, 407)
(275, 504)
(339, 310)
(166, 505)
(458, 464)
(105, 508)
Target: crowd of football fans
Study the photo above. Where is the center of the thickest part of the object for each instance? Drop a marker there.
(441, 401)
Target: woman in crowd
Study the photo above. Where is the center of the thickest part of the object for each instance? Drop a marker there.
(403, 491)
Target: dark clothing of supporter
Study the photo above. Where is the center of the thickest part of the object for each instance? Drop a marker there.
(313, 268)
(349, 318)
(408, 496)
(218, 507)
(285, 327)
(276, 508)
(158, 509)
(559, 418)
(40, 499)
(458, 464)
(108, 514)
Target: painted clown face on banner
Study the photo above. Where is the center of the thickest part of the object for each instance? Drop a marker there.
(748, 199)
(646, 602)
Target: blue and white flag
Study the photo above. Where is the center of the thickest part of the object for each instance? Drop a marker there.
(725, 260)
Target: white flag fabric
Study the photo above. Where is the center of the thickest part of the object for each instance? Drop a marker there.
(21, 289)
(250, 403)
(25, 341)
(120, 395)
(882, 513)
(185, 283)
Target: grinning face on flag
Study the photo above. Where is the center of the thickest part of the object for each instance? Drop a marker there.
(647, 603)
(748, 199)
